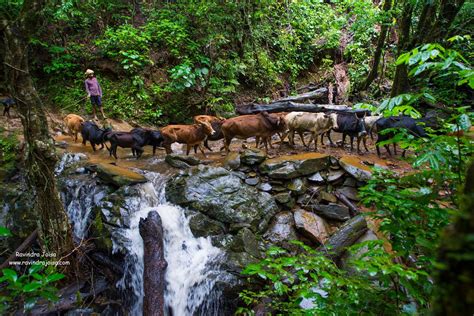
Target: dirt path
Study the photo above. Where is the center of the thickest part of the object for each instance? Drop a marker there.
(157, 163)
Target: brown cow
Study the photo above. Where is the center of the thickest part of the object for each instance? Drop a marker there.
(216, 123)
(72, 122)
(262, 125)
(191, 135)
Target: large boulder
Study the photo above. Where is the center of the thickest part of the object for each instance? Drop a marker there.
(356, 168)
(223, 196)
(289, 167)
(311, 226)
(118, 176)
(281, 229)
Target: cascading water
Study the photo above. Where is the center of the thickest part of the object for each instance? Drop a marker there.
(193, 263)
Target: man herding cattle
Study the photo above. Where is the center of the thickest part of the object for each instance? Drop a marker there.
(94, 92)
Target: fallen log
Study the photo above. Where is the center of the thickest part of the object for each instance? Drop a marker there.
(288, 106)
(155, 265)
(69, 298)
(318, 94)
(345, 237)
(24, 245)
(352, 208)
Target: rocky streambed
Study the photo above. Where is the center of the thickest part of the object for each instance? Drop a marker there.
(217, 218)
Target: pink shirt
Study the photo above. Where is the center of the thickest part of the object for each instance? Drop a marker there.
(93, 86)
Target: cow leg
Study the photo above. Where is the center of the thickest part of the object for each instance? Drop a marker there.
(315, 137)
(302, 138)
(188, 149)
(365, 143)
(328, 133)
(387, 147)
(265, 142)
(202, 150)
(139, 151)
(206, 144)
(291, 137)
(101, 146)
(378, 150)
(83, 141)
(343, 140)
(257, 141)
(403, 153)
(114, 151)
(196, 149)
(154, 150)
(359, 138)
(352, 143)
(227, 141)
(93, 146)
(395, 149)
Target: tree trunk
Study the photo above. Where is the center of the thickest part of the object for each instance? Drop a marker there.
(387, 6)
(40, 156)
(345, 237)
(455, 279)
(400, 82)
(155, 265)
(286, 106)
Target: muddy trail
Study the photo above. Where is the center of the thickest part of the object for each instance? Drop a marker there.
(156, 163)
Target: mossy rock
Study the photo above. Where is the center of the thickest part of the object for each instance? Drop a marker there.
(118, 176)
(222, 196)
(293, 166)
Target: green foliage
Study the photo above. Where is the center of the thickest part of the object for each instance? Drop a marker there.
(27, 289)
(371, 284)
(8, 150)
(127, 45)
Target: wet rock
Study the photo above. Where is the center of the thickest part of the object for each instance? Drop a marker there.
(335, 175)
(202, 226)
(61, 144)
(317, 178)
(328, 197)
(232, 161)
(281, 229)
(265, 187)
(118, 176)
(181, 161)
(278, 188)
(285, 199)
(311, 226)
(289, 167)
(331, 211)
(356, 168)
(350, 192)
(222, 196)
(297, 186)
(245, 241)
(252, 156)
(252, 181)
(245, 169)
(350, 182)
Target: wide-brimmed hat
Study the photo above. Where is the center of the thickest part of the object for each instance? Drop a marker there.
(89, 72)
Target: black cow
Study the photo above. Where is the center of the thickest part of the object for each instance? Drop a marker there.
(155, 138)
(135, 141)
(95, 135)
(349, 123)
(406, 122)
(7, 103)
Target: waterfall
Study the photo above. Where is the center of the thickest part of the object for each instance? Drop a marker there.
(194, 264)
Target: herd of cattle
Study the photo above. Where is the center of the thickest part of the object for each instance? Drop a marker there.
(262, 126)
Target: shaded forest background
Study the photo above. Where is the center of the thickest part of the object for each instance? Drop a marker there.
(162, 61)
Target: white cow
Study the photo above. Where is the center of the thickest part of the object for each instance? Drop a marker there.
(316, 123)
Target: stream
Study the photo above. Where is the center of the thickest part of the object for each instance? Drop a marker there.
(194, 264)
